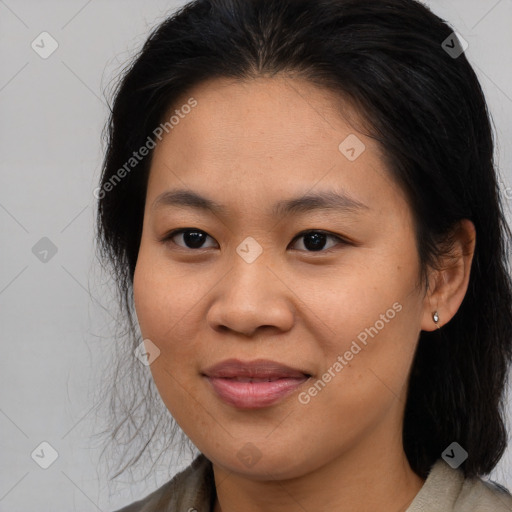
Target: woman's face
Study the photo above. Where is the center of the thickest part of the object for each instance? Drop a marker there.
(340, 306)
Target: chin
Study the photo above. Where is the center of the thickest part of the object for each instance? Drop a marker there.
(268, 464)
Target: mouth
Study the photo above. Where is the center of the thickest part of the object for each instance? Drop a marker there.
(254, 384)
(263, 369)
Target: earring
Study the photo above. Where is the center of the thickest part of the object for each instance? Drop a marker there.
(435, 317)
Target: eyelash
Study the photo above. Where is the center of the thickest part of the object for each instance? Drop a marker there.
(169, 236)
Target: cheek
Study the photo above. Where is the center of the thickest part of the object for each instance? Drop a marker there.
(367, 301)
(170, 311)
(371, 319)
(164, 300)
(366, 368)
(162, 296)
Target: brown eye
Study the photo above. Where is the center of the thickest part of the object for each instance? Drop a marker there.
(315, 240)
(192, 238)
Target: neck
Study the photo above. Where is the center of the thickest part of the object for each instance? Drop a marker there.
(378, 481)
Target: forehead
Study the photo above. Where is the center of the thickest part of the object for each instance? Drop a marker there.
(266, 135)
(283, 113)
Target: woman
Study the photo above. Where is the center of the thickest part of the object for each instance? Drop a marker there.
(301, 197)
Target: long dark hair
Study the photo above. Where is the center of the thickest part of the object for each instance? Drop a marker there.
(422, 102)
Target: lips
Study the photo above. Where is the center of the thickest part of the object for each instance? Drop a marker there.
(263, 369)
(253, 384)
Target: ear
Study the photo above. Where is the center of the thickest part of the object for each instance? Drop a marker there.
(448, 285)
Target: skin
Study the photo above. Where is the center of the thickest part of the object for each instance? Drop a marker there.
(248, 145)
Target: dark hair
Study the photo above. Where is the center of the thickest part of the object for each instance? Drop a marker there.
(427, 110)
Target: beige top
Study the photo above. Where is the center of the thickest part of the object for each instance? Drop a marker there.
(445, 490)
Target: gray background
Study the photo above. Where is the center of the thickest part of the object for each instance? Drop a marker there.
(55, 334)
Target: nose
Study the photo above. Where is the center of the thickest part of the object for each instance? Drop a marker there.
(250, 298)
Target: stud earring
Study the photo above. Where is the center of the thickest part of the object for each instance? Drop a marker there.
(435, 317)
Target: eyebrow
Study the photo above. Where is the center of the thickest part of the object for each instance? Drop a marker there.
(323, 200)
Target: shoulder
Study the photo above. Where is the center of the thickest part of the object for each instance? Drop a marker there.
(446, 490)
(191, 490)
(483, 496)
